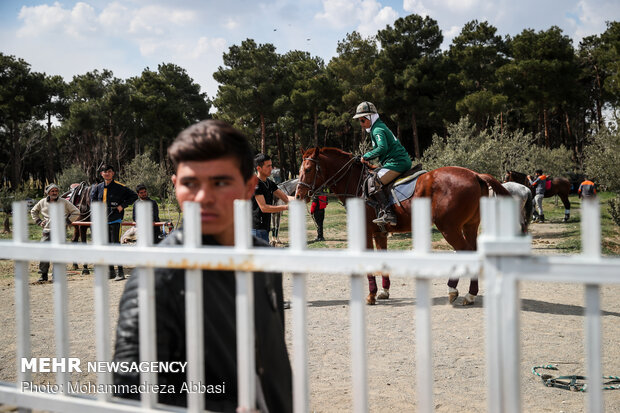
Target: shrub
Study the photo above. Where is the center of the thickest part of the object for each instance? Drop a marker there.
(143, 170)
(602, 158)
(71, 175)
(494, 152)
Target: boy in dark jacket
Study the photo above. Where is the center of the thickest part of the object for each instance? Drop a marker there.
(117, 197)
(213, 164)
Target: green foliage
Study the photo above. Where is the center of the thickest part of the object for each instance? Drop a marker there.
(142, 170)
(71, 175)
(614, 210)
(493, 152)
(602, 159)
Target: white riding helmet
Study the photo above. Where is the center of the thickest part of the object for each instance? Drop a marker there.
(363, 109)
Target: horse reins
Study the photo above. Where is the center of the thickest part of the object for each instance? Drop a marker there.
(334, 179)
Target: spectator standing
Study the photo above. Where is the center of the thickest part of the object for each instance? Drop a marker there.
(143, 196)
(117, 197)
(587, 189)
(41, 216)
(213, 167)
(317, 209)
(262, 200)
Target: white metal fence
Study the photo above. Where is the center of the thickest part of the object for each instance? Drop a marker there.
(503, 259)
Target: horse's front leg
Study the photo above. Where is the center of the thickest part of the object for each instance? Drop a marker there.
(380, 242)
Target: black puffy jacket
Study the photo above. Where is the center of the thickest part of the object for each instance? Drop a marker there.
(220, 354)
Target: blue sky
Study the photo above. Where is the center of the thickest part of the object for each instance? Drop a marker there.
(73, 37)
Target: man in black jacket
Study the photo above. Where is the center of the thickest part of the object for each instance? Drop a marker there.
(213, 164)
(117, 197)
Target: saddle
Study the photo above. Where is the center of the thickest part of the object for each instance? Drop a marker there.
(403, 186)
(400, 189)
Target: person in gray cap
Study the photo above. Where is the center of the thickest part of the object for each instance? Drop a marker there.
(391, 153)
(41, 216)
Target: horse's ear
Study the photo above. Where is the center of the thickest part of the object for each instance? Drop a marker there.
(302, 150)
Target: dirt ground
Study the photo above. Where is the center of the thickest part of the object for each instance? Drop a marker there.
(552, 332)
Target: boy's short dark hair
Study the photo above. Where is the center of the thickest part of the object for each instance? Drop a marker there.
(539, 171)
(140, 187)
(106, 167)
(212, 139)
(260, 159)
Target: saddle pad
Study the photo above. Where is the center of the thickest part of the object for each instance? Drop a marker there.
(404, 190)
(548, 184)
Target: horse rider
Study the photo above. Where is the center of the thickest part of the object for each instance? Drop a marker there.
(587, 189)
(41, 216)
(391, 153)
(539, 183)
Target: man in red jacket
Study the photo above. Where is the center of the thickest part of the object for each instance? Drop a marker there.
(317, 209)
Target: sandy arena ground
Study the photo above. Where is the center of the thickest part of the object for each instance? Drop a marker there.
(552, 332)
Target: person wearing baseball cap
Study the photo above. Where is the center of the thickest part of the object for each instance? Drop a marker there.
(41, 216)
(390, 152)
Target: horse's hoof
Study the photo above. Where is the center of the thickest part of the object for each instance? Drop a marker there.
(75, 267)
(85, 272)
(453, 295)
(371, 299)
(469, 299)
(384, 294)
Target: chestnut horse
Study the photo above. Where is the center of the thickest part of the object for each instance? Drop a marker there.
(559, 187)
(454, 192)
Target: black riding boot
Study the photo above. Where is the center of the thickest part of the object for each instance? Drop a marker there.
(386, 215)
(319, 234)
(541, 219)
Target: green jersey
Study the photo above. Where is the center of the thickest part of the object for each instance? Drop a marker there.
(387, 148)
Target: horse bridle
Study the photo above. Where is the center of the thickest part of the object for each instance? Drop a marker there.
(334, 179)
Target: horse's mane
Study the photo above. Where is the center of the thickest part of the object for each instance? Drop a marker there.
(330, 151)
(517, 173)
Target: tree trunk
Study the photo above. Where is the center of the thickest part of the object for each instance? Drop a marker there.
(294, 152)
(263, 143)
(501, 122)
(49, 159)
(6, 224)
(599, 106)
(416, 140)
(546, 123)
(16, 170)
(283, 174)
(161, 150)
(316, 127)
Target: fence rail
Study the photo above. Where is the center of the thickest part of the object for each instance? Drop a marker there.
(504, 259)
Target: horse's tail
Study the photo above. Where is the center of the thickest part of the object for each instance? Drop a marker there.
(491, 186)
(529, 207)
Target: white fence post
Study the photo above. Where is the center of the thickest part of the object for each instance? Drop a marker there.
(22, 295)
(99, 231)
(591, 248)
(146, 302)
(246, 363)
(356, 231)
(194, 308)
(297, 226)
(421, 224)
(61, 298)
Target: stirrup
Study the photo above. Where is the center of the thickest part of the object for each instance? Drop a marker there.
(385, 219)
